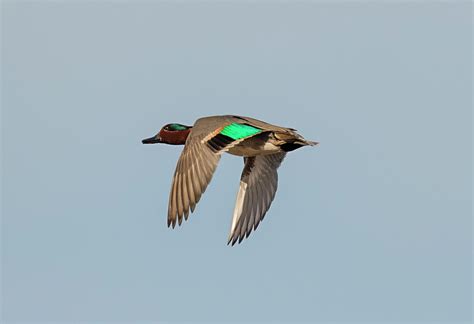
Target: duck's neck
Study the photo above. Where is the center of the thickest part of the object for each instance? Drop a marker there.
(174, 137)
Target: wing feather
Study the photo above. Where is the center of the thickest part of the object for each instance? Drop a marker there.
(258, 185)
(194, 171)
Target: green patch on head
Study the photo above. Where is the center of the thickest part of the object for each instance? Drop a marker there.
(177, 127)
(239, 131)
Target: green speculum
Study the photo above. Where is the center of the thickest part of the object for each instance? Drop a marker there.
(239, 131)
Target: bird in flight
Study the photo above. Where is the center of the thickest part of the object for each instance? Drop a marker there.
(263, 147)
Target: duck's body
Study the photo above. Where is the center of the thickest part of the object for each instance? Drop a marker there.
(263, 147)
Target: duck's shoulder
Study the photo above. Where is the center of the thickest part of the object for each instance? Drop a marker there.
(209, 124)
(218, 120)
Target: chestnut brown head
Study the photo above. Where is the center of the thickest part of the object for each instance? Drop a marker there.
(174, 134)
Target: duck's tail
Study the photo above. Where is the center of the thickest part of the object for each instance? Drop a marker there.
(303, 141)
(292, 141)
(311, 143)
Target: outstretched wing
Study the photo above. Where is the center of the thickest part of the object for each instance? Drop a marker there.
(194, 171)
(258, 185)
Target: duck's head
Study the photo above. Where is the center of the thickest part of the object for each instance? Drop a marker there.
(174, 134)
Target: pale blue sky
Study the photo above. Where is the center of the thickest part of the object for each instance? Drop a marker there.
(372, 225)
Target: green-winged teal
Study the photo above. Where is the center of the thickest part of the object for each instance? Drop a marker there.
(263, 147)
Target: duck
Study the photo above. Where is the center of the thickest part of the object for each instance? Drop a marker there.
(263, 147)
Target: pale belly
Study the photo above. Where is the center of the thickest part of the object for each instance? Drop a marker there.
(254, 150)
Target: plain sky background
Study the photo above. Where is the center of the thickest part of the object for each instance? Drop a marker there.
(372, 225)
